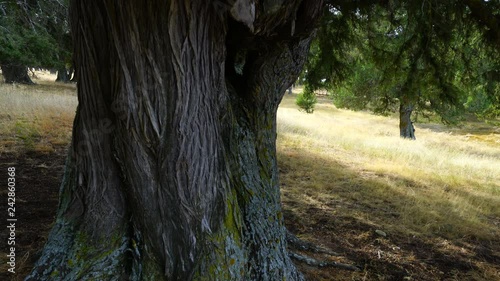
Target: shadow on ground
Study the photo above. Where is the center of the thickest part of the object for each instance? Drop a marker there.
(336, 216)
(38, 176)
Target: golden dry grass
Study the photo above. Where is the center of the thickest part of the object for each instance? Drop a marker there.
(446, 183)
(36, 118)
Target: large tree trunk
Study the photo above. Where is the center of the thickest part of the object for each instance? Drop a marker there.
(15, 73)
(406, 129)
(172, 172)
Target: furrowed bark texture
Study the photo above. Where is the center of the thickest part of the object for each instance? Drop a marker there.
(172, 173)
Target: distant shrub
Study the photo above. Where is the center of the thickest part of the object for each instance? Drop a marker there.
(306, 101)
(346, 98)
(483, 105)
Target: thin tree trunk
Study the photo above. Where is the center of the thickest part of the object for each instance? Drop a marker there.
(72, 74)
(406, 129)
(14, 73)
(63, 75)
(172, 173)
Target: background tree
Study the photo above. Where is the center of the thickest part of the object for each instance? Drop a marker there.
(57, 25)
(32, 33)
(172, 171)
(405, 56)
(306, 101)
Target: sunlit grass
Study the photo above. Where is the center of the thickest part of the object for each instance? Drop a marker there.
(36, 118)
(446, 183)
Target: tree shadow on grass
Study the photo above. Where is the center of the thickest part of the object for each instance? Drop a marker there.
(333, 205)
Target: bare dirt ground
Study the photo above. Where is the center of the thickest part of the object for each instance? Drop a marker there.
(38, 176)
(392, 257)
(383, 255)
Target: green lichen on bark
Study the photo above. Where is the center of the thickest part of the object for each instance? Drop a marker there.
(71, 255)
(225, 257)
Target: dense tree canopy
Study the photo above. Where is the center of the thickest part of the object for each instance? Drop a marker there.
(34, 33)
(428, 56)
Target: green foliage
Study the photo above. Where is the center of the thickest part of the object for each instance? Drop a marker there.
(478, 101)
(483, 105)
(27, 48)
(362, 90)
(426, 55)
(344, 98)
(306, 101)
(328, 64)
(34, 33)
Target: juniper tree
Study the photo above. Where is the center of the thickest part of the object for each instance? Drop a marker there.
(404, 55)
(172, 171)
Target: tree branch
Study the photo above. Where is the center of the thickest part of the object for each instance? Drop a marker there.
(298, 244)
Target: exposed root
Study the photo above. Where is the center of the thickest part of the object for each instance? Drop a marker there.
(314, 262)
(298, 244)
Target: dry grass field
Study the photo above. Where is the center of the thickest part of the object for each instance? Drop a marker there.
(346, 175)
(36, 118)
(401, 210)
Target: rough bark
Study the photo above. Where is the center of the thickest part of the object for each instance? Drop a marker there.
(14, 73)
(172, 173)
(406, 129)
